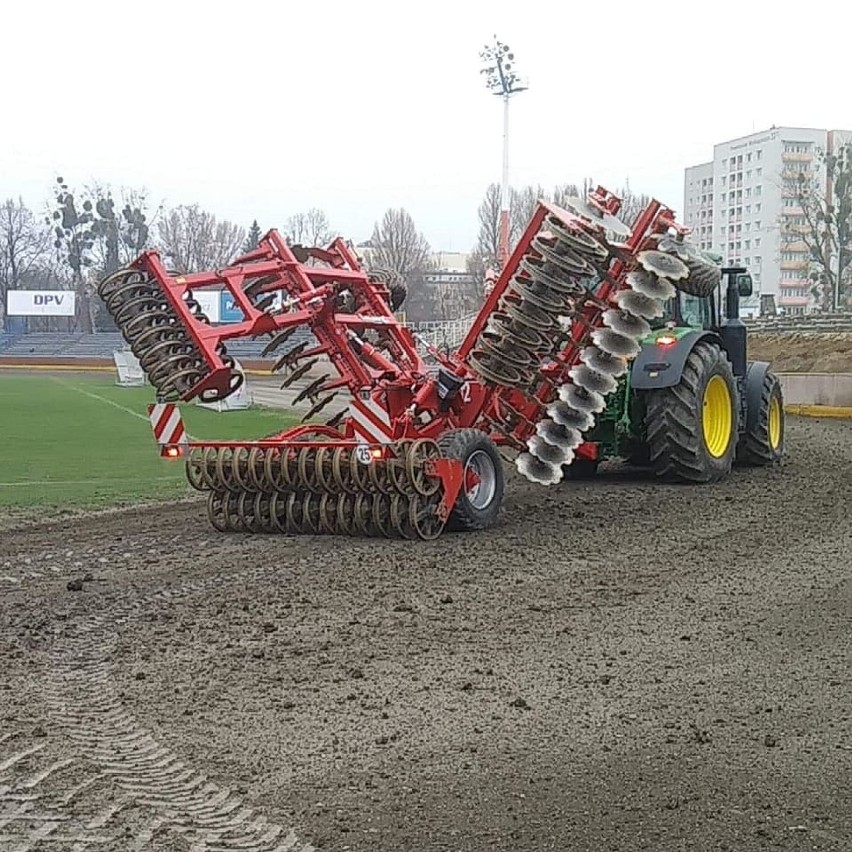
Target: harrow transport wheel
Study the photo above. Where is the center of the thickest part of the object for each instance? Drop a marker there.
(692, 427)
(763, 441)
(481, 493)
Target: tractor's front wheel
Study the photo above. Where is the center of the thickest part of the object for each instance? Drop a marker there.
(481, 492)
(763, 441)
(692, 427)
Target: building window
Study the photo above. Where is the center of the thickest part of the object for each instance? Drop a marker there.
(757, 190)
(759, 153)
(757, 243)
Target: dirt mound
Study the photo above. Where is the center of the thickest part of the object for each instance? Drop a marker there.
(801, 352)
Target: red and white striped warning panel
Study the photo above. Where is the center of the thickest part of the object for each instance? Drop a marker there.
(167, 423)
(371, 422)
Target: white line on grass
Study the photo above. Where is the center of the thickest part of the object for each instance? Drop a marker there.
(110, 402)
(101, 398)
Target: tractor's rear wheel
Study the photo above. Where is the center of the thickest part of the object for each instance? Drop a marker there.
(763, 441)
(692, 427)
(481, 493)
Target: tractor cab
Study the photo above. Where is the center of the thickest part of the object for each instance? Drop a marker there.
(703, 312)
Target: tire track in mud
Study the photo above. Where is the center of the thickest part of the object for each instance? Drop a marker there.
(82, 699)
(43, 801)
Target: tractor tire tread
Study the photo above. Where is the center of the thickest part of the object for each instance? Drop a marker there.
(674, 416)
(756, 449)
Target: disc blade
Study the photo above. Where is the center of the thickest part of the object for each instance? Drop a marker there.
(575, 239)
(626, 324)
(592, 380)
(615, 344)
(581, 399)
(663, 265)
(639, 305)
(684, 250)
(599, 360)
(549, 453)
(561, 436)
(571, 418)
(538, 471)
(650, 286)
(599, 217)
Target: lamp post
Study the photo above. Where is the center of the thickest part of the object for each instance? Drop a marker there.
(502, 81)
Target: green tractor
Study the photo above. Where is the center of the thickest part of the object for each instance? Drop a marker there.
(692, 404)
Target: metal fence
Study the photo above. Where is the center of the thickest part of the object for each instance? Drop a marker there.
(446, 334)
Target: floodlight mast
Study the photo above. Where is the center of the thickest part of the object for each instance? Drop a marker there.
(502, 80)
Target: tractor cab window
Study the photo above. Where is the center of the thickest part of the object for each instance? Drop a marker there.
(685, 310)
(696, 312)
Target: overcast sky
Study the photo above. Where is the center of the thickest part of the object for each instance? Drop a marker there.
(260, 110)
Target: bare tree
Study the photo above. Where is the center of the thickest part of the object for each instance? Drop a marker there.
(123, 227)
(398, 245)
(523, 203)
(75, 233)
(309, 229)
(563, 191)
(24, 247)
(632, 204)
(194, 240)
(485, 252)
(823, 230)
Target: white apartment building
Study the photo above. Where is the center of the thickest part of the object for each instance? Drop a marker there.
(742, 205)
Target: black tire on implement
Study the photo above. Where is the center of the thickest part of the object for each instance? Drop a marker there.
(678, 447)
(475, 510)
(763, 443)
(395, 284)
(703, 279)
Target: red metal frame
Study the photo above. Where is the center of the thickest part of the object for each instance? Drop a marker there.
(400, 383)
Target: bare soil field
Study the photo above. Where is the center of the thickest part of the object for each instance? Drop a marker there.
(799, 352)
(616, 666)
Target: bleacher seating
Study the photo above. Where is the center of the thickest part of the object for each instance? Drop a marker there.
(103, 344)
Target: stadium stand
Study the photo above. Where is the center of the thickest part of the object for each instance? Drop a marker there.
(103, 344)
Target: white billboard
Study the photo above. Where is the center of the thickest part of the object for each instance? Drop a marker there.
(41, 303)
(208, 301)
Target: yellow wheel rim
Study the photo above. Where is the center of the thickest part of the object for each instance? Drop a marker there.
(774, 423)
(717, 418)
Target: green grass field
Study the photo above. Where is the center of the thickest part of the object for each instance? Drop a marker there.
(79, 441)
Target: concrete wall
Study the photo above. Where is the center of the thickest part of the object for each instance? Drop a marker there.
(817, 388)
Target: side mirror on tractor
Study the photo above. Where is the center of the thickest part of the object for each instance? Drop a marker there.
(744, 284)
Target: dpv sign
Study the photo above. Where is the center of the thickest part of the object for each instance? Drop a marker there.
(41, 303)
